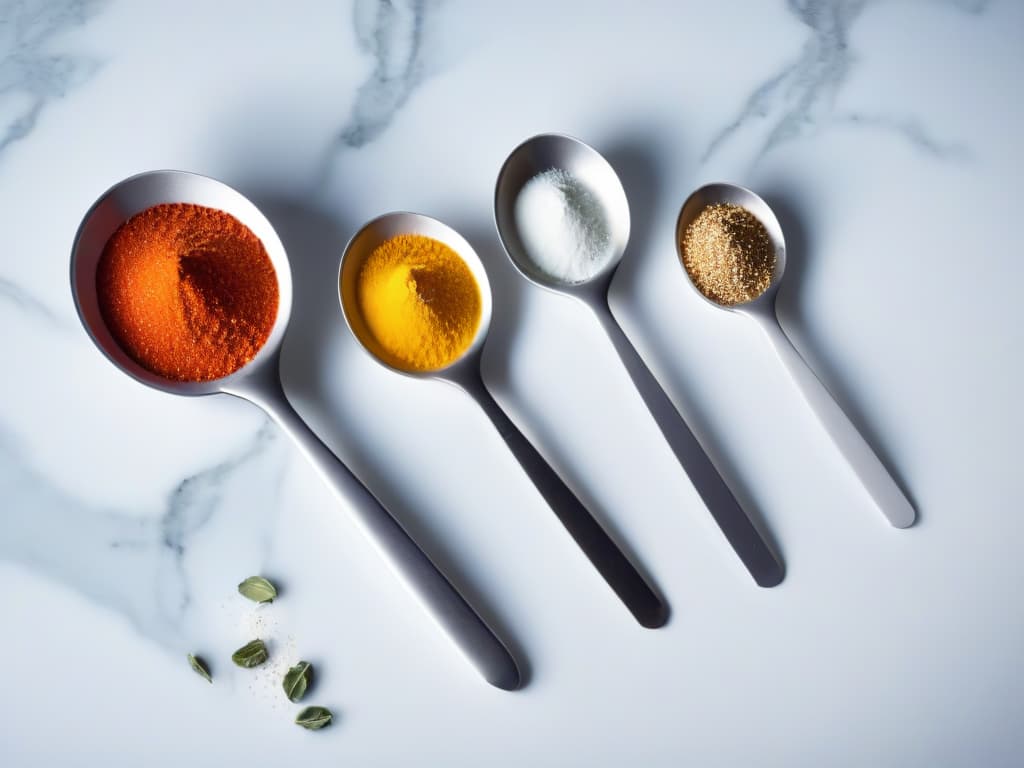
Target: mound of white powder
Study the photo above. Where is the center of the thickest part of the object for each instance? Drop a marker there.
(563, 227)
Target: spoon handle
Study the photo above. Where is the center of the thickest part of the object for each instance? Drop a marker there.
(750, 547)
(879, 484)
(597, 545)
(456, 617)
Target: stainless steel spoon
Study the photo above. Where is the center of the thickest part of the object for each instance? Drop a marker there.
(614, 566)
(259, 382)
(551, 150)
(877, 481)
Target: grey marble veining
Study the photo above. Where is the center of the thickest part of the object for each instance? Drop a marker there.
(801, 98)
(125, 560)
(191, 505)
(913, 130)
(32, 72)
(392, 31)
(30, 306)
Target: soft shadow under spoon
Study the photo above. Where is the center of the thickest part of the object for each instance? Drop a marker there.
(883, 490)
(620, 574)
(548, 151)
(259, 382)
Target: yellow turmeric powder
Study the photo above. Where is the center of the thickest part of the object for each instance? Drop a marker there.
(419, 302)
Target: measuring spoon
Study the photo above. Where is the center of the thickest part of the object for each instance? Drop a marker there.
(552, 150)
(605, 555)
(877, 481)
(259, 382)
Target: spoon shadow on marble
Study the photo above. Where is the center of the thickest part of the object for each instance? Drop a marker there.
(510, 297)
(788, 203)
(636, 160)
(314, 240)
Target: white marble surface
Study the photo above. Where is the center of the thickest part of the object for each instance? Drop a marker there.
(888, 135)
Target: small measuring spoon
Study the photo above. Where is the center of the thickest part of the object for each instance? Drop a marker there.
(613, 565)
(552, 150)
(876, 480)
(259, 382)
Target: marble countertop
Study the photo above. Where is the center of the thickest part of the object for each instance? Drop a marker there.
(886, 134)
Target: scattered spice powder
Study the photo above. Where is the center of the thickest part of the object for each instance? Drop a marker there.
(728, 253)
(419, 303)
(188, 292)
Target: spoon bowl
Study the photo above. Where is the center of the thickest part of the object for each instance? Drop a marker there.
(545, 152)
(733, 194)
(134, 195)
(359, 248)
(259, 382)
(886, 495)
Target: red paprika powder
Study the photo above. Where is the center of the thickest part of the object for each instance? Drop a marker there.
(188, 292)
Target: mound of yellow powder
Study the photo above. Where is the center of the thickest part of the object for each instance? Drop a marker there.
(419, 302)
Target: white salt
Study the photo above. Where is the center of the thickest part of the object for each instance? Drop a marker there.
(563, 227)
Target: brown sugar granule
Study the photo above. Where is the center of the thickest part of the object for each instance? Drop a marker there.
(728, 253)
(188, 292)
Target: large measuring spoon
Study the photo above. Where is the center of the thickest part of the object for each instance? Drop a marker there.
(877, 481)
(259, 382)
(613, 565)
(548, 151)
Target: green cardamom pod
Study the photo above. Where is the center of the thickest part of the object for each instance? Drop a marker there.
(314, 718)
(250, 655)
(200, 668)
(297, 680)
(258, 589)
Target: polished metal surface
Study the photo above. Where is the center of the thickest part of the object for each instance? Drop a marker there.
(134, 195)
(620, 574)
(552, 150)
(883, 490)
(383, 228)
(555, 150)
(260, 382)
(733, 194)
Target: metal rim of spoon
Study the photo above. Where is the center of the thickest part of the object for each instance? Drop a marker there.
(886, 495)
(465, 373)
(555, 150)
(259, 382)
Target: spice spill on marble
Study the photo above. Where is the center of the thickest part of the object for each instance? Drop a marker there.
(200, 667)
(297, 681)
(252, 654)
(314, 718)
(258, 589)
(270, 662)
